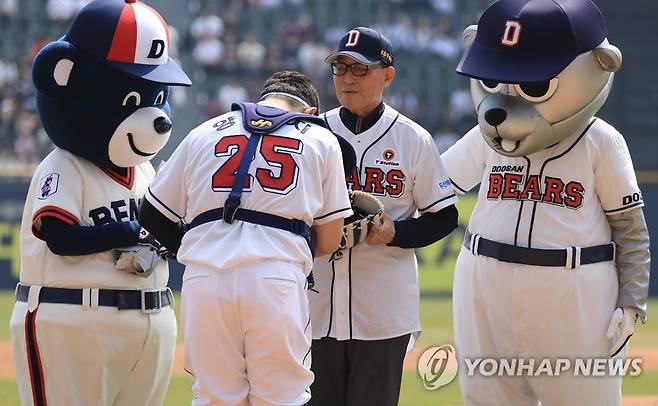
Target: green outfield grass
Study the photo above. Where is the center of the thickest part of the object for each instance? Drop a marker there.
(436, 317)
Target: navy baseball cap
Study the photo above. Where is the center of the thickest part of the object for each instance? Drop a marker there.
(129, 36)
(531, 40)
(364, 45)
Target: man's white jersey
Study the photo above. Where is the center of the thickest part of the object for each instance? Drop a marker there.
(555, 198)
(297, 173)
(372, 291)
(78, 192)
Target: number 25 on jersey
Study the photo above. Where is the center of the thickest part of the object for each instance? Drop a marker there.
(277, 152)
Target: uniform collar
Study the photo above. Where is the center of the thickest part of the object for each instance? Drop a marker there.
(357, 124)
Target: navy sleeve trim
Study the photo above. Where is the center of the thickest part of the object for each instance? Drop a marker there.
(438, 201)
(163, 205)
(461, 189)
(623, 208)
(333, 212)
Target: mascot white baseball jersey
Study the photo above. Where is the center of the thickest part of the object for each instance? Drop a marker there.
(398, 162)
(76, 191)
(253, 338)
(569, 188)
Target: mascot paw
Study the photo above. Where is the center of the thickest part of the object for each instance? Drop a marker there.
(140, 260)
(621, 328)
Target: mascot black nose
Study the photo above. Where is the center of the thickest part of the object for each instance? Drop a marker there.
(495, 116)
(162, 125)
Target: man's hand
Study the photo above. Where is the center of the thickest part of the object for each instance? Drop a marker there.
(382, 233)
(621, 328)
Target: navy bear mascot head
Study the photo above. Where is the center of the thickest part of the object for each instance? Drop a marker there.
(102, 89)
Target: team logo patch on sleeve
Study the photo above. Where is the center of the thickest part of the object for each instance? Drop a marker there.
(49, 185)
(444, 184)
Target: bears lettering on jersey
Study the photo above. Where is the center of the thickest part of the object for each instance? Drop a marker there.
(377, 182)
(119, 210)
(512, 186)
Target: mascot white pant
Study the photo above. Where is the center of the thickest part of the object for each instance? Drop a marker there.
(508, 311)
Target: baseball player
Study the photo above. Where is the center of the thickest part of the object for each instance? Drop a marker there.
(365, 303)
(555, 262)
(93, 323)
(250, 183)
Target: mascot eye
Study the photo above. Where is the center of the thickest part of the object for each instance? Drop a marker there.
(132, 95)
(537, 92)
(491, 86)
(159, 98)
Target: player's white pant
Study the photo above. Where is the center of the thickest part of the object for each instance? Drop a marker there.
(101, 356)
(506, 310)
(247, 334)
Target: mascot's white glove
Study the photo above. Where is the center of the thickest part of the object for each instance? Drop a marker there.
(141, 259)
(621, 328)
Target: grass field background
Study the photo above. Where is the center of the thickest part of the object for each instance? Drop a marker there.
(436, 317)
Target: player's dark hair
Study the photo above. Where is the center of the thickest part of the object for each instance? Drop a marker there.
(294, 83)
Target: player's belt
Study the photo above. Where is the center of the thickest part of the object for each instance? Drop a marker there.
(295, 226)
(571, 257)
(147, 301)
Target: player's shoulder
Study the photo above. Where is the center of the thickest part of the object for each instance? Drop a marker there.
(404, 125)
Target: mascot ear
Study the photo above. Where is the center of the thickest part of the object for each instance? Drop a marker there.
(53, 67)
(469, 34)
(609, 56)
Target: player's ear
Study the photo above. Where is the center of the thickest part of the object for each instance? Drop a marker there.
(389, 75)
(311, 110)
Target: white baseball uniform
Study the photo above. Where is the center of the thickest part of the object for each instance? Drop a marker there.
(552, 199)
(87, 354)
(245, 312)
(372, 292)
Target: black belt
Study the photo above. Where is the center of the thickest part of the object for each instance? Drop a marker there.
(148, 301)
(570, 257)
(295, 226)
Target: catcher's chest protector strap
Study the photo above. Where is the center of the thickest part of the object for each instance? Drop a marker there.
(258, 120)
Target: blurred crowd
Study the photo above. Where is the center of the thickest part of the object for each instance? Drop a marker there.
(229, 58)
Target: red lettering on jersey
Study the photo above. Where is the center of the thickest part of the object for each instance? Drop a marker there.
(395, 179)
(495, 186)
(352, 180)
(553, 192)
(512, 180)
(276, 150)
(233, 147)
(574, 195)
(531, 190)
(374, 182)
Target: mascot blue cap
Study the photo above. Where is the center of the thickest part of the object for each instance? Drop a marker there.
(512, 44)
(102, 89)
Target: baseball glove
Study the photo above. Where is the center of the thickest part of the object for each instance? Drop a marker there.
(367, 211)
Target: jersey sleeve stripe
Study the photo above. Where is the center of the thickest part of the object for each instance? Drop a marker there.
(52, 211)
(461, 189)
(331, 213)
(613, 211)
(451, 196)
(150, 194)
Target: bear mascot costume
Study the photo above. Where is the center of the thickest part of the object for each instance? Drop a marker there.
(93, 322)
(554, 269)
